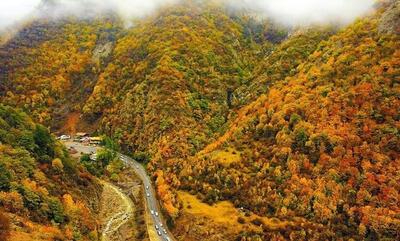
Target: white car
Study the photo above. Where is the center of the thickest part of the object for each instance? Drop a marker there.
(152, 212)
(147, 187)
(85, 139)
(159, 233)
(65, 137)
(164, 231)
(148, 194)
(157, 227)
(156, 214)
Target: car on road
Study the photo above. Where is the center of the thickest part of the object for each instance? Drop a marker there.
(64, 137)
(161, 231)
(85, 140)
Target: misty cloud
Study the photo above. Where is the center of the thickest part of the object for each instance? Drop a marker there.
(86, 8)
(15, 10)
(306, 12)
(12, 12)
(289, 12)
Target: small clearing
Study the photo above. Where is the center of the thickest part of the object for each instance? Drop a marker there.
(226, 157)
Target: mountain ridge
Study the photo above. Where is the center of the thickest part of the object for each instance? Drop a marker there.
(232, 111)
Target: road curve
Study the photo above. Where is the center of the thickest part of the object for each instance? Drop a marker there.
(150, 195)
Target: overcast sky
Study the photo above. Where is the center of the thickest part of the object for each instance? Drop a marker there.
(15, 10)
(291, 12)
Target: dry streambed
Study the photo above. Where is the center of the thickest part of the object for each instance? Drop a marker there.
(116, 211)
(122, 210)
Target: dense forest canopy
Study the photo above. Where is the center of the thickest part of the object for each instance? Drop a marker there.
(40, 183)
(296, 127)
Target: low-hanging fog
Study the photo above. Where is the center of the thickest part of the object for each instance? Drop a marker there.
(289, 12)
(15, 10)
(306, 12)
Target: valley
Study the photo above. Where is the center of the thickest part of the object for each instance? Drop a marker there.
(201, 120)
(120, 207)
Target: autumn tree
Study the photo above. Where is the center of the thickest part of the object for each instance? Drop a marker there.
(4, 227)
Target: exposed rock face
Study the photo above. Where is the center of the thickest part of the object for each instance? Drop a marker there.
(102, 51)
(390, 22)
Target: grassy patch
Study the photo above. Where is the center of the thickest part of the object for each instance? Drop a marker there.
(226, 214)
(226, 157)
(223, 212)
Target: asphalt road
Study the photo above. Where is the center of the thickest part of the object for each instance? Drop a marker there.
(152, 203)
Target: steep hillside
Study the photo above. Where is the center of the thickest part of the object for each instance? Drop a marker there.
(282, 62)
(44, 194)
(250, 131)
(321, 148)
(170, 77)
(163, 88)
(166, 91)
(50, 67)
(184, 61)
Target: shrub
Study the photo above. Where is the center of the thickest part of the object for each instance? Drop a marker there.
(114, 177)
(105, 156)
(5, 178)
(85, 158)
(111, 144)
(93, 167)
(142, 157)
(32, 200)
(300, 139)
(294, 119)
(56, 212)
(241, 220)
(4, 227)
(12, 201)
(115, 166)
(57, 164)
(44, 144)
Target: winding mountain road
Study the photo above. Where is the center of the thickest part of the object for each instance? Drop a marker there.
(153, 207)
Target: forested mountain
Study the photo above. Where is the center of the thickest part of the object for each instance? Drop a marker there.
(293, 131)
(171, 74)
(45, 194)
(50, 67)
(321, 145)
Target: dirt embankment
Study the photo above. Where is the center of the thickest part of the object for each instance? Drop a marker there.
(122, 210)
